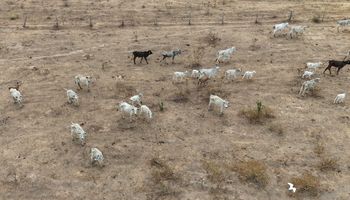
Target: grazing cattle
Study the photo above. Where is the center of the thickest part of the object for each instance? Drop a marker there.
(78, 133)
(16, 95)
(336, 64)
(343, 23)
(224, 55)
(81, 80)
(72, 97)
(211, 72)
(128, 109)
(96, 156)
(296, 31)
(180, 76)
(308, 86)
(136, 99)
(313, 65)
(279, 27)
(171, 54)
(217, 101)
(340, 98)
(146, 111)
(142, 55)
(232, 74)
(249, 74)
(308, 74)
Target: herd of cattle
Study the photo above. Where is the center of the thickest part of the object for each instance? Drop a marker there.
(136, 108)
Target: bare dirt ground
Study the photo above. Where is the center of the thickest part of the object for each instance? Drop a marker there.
(185, 152)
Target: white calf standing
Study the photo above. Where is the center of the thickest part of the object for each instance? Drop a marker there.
(308, 86)
(78, 133)
(308, 74)
(72, 97)
(81, 80)
(217, 101)
(224, 55)
(313, 66)
(279, 27)
(340, 98)
(96, 156)
(146, 111)
(296, 31)
(136, 99)
(249, 74)
(180, 76)
(16, 95)
(345, 22)
(232, 74)
(211, 72)
(128, 109)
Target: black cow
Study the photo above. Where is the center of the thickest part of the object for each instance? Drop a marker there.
(337, 64)
(142, 54)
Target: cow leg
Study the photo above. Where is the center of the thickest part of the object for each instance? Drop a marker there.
(141, 59)
(134, 60)
(146, 60)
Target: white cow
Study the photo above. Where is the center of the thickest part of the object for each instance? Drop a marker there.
(343, 23)
(224, 55)
(249, 74)
(78, 133)
(136, 99)
(232, 74)
(146, 111)
(96, 156)
(279, 27)
(217, 101)
(72, 97)
(211, 72)
(81, 80)
(179, 76)
(308, 86)
(313, 65)
(308, 74)
(128, 109)
(296, 31)
(195, 73)
(340, 98)
(16, 95)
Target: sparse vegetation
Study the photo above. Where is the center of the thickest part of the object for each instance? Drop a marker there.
(14, 17)
(258, 114)
(212, 39)
(307, 184)
(328, 164)
(252, 171)
(196, 56)
(316, 19)
(214, 171)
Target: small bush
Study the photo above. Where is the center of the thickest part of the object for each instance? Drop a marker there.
(319, 149)
(161, 106)
(212, 39)
(316, 19)
(215, 173)
(196, 57)
(252, 171)
(328, 164)
(14, 17)
(276, 128)
(307, 184)
(258, 114)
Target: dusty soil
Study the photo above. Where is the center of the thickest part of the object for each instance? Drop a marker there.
(40, 161)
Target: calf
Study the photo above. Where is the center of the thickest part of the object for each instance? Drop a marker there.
(128, 109)
(72, 97)
(232, 74)
(78, 133)
(146, 111)
(96, 156)
(217, 101)
(279, 27)
(225, 54)
(340, 98)
(180, 76)
(249, 74)
(308, 86)
(142, 55)
(336, 64)
(16, 95)
(85, 81)
(171, 54)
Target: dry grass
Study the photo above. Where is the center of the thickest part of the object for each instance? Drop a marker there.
(307, 184)
(276, 128)
(328, 164)
(164, 180)
(319, 149)
(252, 171)
(214, 171)
(258, 114)
(196, 56)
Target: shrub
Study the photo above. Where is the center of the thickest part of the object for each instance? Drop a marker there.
(252, 171)
(307, 184)
(215, 173)
(328, 164)
(276, 128)
(212, 39)
(316, 19)
(258, 114)
(196, 57)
